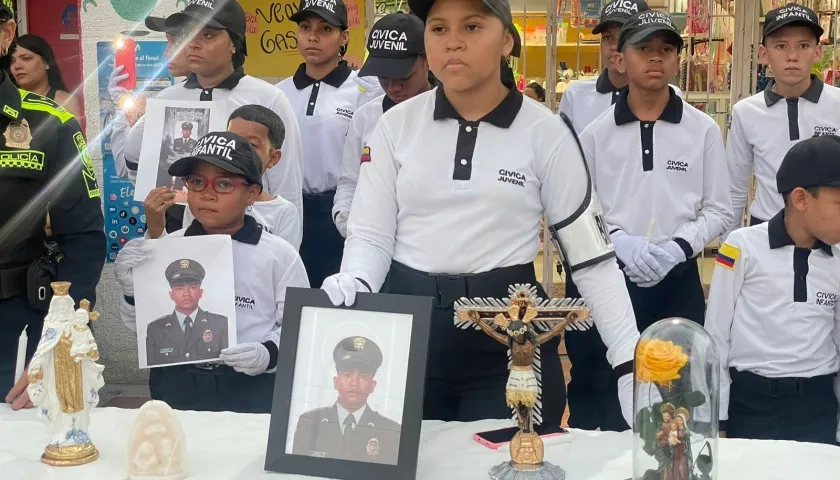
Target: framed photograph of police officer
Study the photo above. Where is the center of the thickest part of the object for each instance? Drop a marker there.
(172, 129)
(349, 387)
(184, 301)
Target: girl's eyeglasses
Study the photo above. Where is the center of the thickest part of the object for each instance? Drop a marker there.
(197, 183)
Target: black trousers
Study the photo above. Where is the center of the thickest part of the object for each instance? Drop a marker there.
(15, 315)
(212, 389)
(322, 246)
(593, 390)
(798, 409)
(467, 371)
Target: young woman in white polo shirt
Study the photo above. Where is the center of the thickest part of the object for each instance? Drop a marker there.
(216, 52)
(324, 97)
(451, 192)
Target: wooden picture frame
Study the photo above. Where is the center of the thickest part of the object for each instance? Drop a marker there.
(332, 454)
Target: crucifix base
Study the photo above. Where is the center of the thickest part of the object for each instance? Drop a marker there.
(512, 471)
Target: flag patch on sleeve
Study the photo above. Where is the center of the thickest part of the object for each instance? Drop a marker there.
(365, 154)
(727, 256)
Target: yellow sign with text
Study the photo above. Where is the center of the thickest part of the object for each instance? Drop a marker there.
(272, 42)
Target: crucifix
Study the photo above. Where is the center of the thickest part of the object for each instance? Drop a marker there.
(523, 322)
(85, 305)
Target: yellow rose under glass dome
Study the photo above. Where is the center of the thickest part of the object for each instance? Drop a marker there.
(676, 403)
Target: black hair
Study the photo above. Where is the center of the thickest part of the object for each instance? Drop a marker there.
(814, 191)
(6, 60)
(265, 117)
(538, 89)
(40, 47)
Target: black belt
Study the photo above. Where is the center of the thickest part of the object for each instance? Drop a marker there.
(13, 282)
(446, 289)
(783, 386)
(319, 202)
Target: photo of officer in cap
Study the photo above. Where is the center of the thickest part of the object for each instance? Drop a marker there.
(186, 143)
(188, 334)
(350, 429)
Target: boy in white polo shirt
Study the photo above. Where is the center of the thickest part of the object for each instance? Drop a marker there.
(773, 307)
(795, 105)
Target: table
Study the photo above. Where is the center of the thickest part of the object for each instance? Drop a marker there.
(228, 446)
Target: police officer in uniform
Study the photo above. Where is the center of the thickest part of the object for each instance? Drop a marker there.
(42, 144)
(350, 429)
(188, 333)
(186, 143)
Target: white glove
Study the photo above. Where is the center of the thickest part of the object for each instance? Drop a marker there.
(637, 255)
(248, 358)
(133, 253)
(342, 288)
(625, 397)
(116, 92)
(341, 222)
(667, 256)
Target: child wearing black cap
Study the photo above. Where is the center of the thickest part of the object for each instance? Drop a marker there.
(773, 307)
(223, 178)
(396, 56)
(795, 105)
(446, 167)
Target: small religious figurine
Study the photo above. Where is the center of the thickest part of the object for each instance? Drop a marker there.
(523, 322)
(156, 446)
(64, 379)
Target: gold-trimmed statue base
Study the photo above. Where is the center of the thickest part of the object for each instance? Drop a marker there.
(512, 471)
(70, 456)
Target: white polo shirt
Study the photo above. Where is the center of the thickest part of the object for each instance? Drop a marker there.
(263, 267)
(671, 171)
(277, 217)
(441, 194)
(585, 100)
(286, 178)
(773, 308)
(764, 127)
(323, 109)
(361, 128)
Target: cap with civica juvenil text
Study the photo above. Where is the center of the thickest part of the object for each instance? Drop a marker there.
(357, 353)
(226, 14)
(184, 271)
(499, 8)
(791, 14)
(333, 11)
(618, 11)
(642, 25)
(810, 163)
(394, 43)
(226, 150)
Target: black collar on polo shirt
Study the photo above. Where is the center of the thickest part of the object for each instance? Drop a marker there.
(227, 84)
(10, 101)
(673, 109)
(604, 85)
(502, 116)
(779, 236)
(812, 94)
(387, 103)
(249, 233)
(335, 78)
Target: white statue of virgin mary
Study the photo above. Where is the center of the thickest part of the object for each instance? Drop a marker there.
(64, 380)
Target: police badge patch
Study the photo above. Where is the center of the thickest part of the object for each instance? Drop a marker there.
(18, 135)
(373, 447)
(207, 336)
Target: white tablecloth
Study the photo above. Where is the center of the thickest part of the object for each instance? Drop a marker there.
(228, 446)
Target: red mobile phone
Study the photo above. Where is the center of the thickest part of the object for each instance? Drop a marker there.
(125, 56)
(494, 439)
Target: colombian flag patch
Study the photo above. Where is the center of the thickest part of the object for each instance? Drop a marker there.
(365, 154)
(727, 256)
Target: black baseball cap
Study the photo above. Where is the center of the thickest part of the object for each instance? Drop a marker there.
(499, 8)
(8, 7)
(642, 25)
(357, 353)
(333, 12)
(618, 11)
(184, 271)
(226, 14)
(810, 163)
(158, 24)
(226, 150)
(394, 43)
(791, 14)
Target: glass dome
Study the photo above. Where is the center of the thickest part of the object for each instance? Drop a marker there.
(676, 403)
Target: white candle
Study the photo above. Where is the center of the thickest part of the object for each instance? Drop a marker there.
(21, 355)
